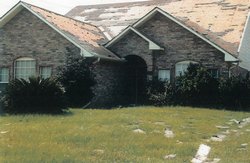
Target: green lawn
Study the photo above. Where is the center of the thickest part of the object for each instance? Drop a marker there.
(107, 136)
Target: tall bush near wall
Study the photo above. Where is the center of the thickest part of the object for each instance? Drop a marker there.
(160, 93)
(197, 87)
(78, 80)
(235, 92)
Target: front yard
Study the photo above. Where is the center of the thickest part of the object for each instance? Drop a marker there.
(107, 135)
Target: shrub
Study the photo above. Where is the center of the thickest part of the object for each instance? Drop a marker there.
(160, 93)
(197, 87)
(33, 96)
(235, 92)
(77, 80)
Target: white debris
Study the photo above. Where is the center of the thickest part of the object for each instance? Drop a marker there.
(201, 154)
(226, 132)
(234, 120)
(4, 132)
(139, 131)
(168, 133)
(167, 157)
(98, 151)
(244, 122)
(222, 127)
(244, 145)
(218, 137)
(160, 123)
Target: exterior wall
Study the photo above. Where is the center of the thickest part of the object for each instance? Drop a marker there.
(27, 36)
(180, 45)
(244, 50)
(109, 87)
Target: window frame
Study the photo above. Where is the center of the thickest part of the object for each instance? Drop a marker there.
(186, 62)
(7, 73)
(212, 69)
(40, 71)
(166, 79)
(24, 59)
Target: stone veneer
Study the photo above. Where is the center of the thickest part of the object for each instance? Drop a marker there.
(178, 42)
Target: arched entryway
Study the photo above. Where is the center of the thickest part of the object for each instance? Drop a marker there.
(136, 78)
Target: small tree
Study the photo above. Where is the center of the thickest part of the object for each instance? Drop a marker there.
(34, 96)
(77, 79)
(197, 87)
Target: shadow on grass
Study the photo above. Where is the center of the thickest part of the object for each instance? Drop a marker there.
(65, 112)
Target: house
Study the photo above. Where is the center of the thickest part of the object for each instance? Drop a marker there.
(34, 41)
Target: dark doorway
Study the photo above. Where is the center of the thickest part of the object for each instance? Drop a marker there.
(136, 78)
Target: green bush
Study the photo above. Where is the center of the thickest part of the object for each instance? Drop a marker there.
(77, 80)
(160, 93)
(33, 96)
(235, 92)
(197, 87)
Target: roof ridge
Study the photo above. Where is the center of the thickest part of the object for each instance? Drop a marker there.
(65, 16)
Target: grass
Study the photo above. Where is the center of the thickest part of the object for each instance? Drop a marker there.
(107, 136)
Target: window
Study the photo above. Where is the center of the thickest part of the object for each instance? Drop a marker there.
(45, 72)
(25, 68)
(4, 75)
(181, 67)
(164, 75)
(214, 73)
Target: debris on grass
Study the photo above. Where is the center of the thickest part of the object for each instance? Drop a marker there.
(168, 133)
(4, 132)
(98, 151)
(201, 154)
(179, 142)
(171, 156)
(226, 132)
(235, 121)
(160, 123)
(244, 122)
(223, 127)
(218, 137)
(139, 131)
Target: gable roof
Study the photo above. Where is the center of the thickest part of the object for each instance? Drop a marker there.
(152, 44)
(223, 26)
(148, 16)
(85, 36)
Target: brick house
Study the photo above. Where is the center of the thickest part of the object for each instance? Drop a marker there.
(34, 41)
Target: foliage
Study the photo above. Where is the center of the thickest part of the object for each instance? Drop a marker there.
(160, 93)
(235, 92)
(77, 79)
(197, 87)
(33, 96)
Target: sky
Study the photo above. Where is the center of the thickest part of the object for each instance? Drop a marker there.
(59, 6)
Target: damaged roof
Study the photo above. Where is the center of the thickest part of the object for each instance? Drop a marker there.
(221, 21)
(88, 37)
